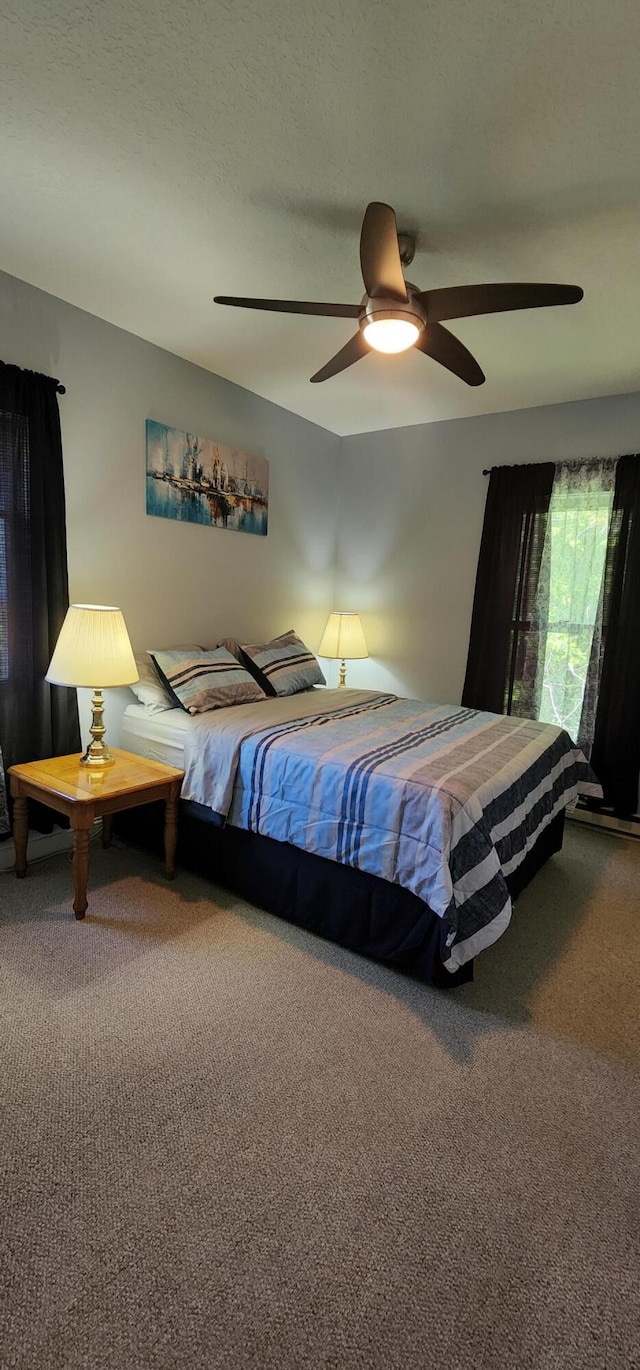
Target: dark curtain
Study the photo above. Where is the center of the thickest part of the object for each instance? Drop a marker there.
(615, 755)
(504, 614)
(36, 719)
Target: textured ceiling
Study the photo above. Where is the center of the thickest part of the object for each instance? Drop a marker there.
(153, 154)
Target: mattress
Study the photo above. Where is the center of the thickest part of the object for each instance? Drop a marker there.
(158, 736)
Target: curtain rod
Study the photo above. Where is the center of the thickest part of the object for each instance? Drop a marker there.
(486, 470)
(60, 388)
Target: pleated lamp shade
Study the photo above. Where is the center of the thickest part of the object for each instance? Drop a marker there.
(93, 649)
(343, 638)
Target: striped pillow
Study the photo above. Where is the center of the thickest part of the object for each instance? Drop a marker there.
(283, 666)
(199, 681)
(149, 688)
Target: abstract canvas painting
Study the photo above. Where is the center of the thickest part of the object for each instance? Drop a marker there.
(202, 481)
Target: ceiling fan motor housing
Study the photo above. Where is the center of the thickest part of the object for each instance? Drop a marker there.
(386, 307)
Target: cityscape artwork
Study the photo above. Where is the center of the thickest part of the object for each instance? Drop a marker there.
(201, 481)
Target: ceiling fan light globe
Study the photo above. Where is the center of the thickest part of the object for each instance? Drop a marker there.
(391, 335)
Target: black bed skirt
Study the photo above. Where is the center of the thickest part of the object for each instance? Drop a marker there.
(359, 911)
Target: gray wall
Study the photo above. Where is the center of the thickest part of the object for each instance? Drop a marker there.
(410, 519)
(175, 582)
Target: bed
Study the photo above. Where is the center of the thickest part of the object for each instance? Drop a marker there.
(400, 829)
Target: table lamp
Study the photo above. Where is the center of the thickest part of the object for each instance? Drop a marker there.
(93, 650)
(342, 639)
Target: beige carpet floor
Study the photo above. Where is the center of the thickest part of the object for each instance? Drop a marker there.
(226, 1143)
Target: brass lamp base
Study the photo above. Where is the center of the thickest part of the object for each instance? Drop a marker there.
(97, 754)
(342, 678)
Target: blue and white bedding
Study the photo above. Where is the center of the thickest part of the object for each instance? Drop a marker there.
(444, 801)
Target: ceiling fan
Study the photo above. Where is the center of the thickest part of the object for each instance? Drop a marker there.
(394, 315)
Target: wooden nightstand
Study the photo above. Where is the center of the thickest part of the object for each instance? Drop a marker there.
(83, 795)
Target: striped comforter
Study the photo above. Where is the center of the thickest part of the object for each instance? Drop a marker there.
(444, 801)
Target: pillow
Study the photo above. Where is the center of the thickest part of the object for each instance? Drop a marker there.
(149, 689)
(199, 681)
(283, 666)
(232, 645)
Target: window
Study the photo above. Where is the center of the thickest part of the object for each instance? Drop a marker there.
(555, 631)
(13, 528)
(4, 647)
(577, 535)
(5, 507)
(36, 719)
(562, 643)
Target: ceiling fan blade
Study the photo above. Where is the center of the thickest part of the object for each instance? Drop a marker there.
(439, 343)
(380, 254)
(350, 353)
(462, 301)
(331, 311)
